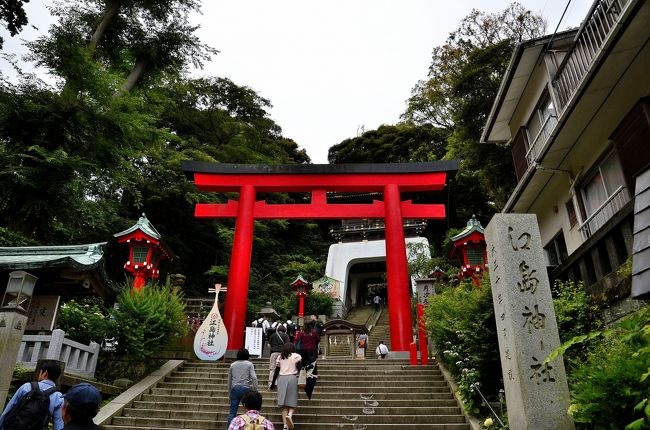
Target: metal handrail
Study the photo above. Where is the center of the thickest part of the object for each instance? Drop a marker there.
(536, 140)
(585, 225)
(475, 386)
(590, 38)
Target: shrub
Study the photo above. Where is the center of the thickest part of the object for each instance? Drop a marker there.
(610, 390)
(149, 319)
(86, 320)
(318, 304)
(461, 323)
(574, 310)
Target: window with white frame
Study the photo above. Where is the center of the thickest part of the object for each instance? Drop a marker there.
(538, 121)
(604, 181)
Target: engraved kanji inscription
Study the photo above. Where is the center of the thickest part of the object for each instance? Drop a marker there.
(534, 319)
(522, 242)
(541, 372)
(529, 281)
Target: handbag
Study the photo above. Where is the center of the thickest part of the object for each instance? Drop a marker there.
(302, 379)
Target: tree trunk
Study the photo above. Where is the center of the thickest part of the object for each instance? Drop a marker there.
(112, 8)
(137, 71)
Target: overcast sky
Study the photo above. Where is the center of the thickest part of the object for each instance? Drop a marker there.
(330, 68)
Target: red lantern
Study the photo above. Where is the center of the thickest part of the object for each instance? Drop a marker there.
(145, 251)
(470, 248)
(300, 286)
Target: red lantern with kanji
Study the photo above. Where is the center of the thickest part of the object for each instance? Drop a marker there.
(470, 248)
(146, 250)
(300, 286)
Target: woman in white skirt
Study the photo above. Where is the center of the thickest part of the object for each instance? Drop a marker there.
(288, 383)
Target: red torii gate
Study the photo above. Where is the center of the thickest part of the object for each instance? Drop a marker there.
(317, 179)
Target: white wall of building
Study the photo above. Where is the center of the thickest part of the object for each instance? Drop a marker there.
(342, 256)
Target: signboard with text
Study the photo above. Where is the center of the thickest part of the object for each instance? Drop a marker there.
(42, 313)
(253, 342)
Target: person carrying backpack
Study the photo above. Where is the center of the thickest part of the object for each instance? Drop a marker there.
(251, 419)
(35, 402)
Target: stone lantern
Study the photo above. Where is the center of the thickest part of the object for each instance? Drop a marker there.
(146, 250)
(300, 286)
(269, 313)
(13, 319)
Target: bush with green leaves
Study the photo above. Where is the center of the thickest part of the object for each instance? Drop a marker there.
(149, 319)
(317, 303)
(461, 322)
(611, 388)
(86, 320)
(575, 311)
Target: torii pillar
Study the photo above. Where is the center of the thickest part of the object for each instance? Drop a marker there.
(391, 179)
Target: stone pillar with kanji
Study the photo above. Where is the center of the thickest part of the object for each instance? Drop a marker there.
(537, 394)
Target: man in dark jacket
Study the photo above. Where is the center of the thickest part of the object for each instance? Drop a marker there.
(277, 339)
(80, 405)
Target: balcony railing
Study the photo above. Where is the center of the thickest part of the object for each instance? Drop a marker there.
(590, 38)
(540, 140)
(607, 210)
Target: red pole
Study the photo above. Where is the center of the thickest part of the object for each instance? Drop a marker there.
(239, 272)
(301, 305)
(139, 281)
(413, 354)
(399, 288)
(422, 336)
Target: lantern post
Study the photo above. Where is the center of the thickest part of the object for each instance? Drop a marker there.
(300, 286)
(146, 250)
(13, 319)
(470, 248)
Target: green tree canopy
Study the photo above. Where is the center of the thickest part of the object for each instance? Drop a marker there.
(401, 143)
(82, 159)
(463, 80)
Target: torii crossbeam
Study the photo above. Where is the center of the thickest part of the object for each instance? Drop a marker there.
(318, 179)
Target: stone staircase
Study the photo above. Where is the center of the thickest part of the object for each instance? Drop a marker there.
(380, 332)
(340, 346)
(352, 394)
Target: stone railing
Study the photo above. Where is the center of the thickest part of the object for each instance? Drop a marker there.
(79, 359)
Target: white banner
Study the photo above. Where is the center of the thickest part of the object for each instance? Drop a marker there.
(253, 342)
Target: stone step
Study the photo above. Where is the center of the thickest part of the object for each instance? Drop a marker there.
(392, 388)
(334, 362)
(322, 381)
(212, 422)
(209, 403)
(153, 410)
(321, 426)
(330, 371)
(434, 394)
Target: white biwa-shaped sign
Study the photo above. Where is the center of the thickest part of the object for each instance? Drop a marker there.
(211, 340)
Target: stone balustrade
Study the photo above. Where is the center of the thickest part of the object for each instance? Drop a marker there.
(79, 359)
